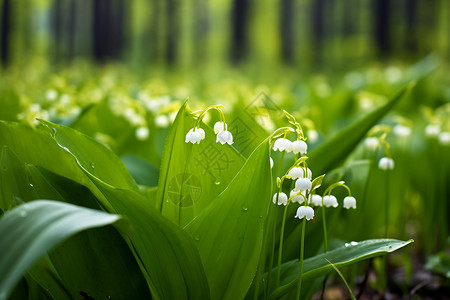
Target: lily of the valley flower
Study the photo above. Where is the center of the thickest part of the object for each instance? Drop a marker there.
(299, 147)
(224, 136)
(444, 138)
(349, 202)
(282, 144)
(316, 200)
(298, 198)
(386, 163)
(220, 126)
(372, 143)
(299, 172)
(432, 131)
(305, 212)
(195, 135)
(303, 184)
(330, 200)
(282, 198)
(402, 130)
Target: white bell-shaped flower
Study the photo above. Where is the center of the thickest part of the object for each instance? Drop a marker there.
(386, 163)
(303, 184)
(195, 136)
(313, 136)
(432, 131)
(444, 138)
(282, 144)
(224, 137)
(219, 126)
(142, 133)
(316, 200)
(282, 198)
(402, 130)
(305, 212)
(349, 202)
(299, 172)
(298, 198)
(372, 143)
(330, 200)
(299, 147)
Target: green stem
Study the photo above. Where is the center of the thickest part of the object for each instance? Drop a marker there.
(58, 281)
(386, 206)
(262, 260)
(325, 235)
(302, 248)
(272, 254)
(280, 248)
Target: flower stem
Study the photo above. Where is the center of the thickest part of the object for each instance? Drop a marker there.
(386, 206)
(325, 235)
(280, 248)
(280, 168)
(302, 248)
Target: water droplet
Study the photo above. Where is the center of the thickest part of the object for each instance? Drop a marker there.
(346, 244)
(217, 182)
(196, 238)
(31, 185)
(92, 165)
(244, 208)
(260, 217)
(23, 213)
(353, 243)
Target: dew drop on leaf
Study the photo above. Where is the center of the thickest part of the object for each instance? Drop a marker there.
(244, 208)
(23, 213)
(92, 165)
(217, 182)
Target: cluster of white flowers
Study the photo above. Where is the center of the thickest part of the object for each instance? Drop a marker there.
(304, 190)
(304, 186)
(196, 134)
(283, 144)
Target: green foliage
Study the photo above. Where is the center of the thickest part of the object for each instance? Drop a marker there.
(198, 219)
(30, 230)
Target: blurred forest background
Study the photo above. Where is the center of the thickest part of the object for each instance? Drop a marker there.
(309, 35)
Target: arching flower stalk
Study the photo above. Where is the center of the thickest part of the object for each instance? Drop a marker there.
(329, 200)
(197, 134)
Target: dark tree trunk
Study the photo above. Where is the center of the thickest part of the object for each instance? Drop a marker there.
(57, 27)
(239, 14)
(5, 32)
(172, 31)
(108, 28)
(318, 31)
(287, 31)
(381, 29)
(71, 37)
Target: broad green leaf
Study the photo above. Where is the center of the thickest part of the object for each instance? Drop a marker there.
(334, 152)
(142, 171)
(92, 155)
(158, 244)
(192, 175)
(27, 232)
(229, 232)
(116, 273)
(45, 152)
(318, 265)
(165, 252)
